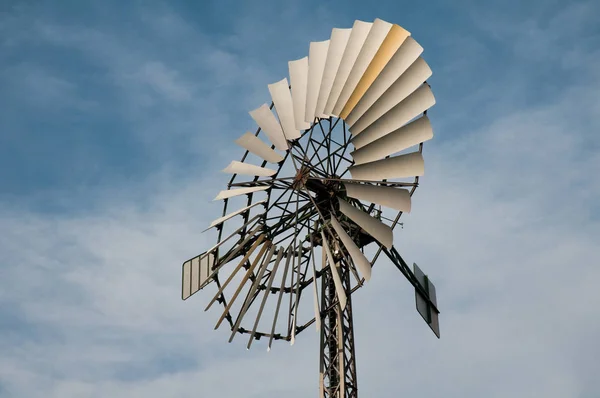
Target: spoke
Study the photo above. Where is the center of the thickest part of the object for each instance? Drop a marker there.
(387, 183)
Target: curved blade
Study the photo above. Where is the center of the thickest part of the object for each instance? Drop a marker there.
(242, 283)
(265, 263)
(408, 91)
(270, 125)
(337, 281)
(406, 55)
(416, 103)
(394, 198)
(363, 265)
(392, 42)
(256, 146)
(402, 166)
(409, 135)
(376, 36)
(266, 295)
(337, 45)
(378, 230)
(233, 214)
(278, 306)
(235, 271)
(236, 167)
(360, 31)
(282, 99)
(299, 80)
(317, 56)
(230, 193)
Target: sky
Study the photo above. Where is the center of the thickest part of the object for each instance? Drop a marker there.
(116, 117)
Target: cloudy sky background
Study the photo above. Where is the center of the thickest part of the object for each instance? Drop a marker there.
(116, 118)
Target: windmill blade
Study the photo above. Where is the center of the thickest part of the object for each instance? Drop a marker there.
(360, 31)
(409, 135)
(256, 146)
(248, 234)
(221, 220)
(364, 265)
(317, 56)
(337, 281)
(392, 111)
(402, 166)
(265, 296)
(285, 272)
(410, 84)
(416, 103)
(337, 45)
(390, 45)
(242, 283)
(299, 81)
(233, 253)
(394, 198)
(378, 230)
(236, 167)
(406, 55)
(235, 271)
(265, 263)
(376, 36)
(315, 292)
(230, 193)
(282, 99)
(270, 125)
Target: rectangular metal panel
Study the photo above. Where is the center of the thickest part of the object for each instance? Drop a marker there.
(424, 308)
(195, 274)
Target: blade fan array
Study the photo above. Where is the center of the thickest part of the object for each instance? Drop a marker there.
(372, 77)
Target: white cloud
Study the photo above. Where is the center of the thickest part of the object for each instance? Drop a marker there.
(505, 223)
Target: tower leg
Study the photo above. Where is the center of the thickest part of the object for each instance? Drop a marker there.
(338, 360)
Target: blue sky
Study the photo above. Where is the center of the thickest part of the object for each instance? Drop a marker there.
(116, 119)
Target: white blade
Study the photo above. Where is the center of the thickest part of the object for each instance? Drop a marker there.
(375, 228)
(410, 81)
(236, 167)
(416, 103)
(261, 271)
(285, 272)
(282, 98)
(360, 31)
(339, 287)
(230, 193)
(337, 45)
(299, 81)
(394, 198)
(270, 125)
(409, 135)
(363, 265)
(235, 213)
(242, 283)
(317, 56)
(265, 296)
(390, 45)
(376, 36)
(406, 55)
(409, 165)
(255, 145)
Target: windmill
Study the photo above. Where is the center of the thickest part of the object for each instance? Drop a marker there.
(320, 188)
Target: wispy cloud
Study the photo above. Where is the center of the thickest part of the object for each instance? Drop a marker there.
(505, 220)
